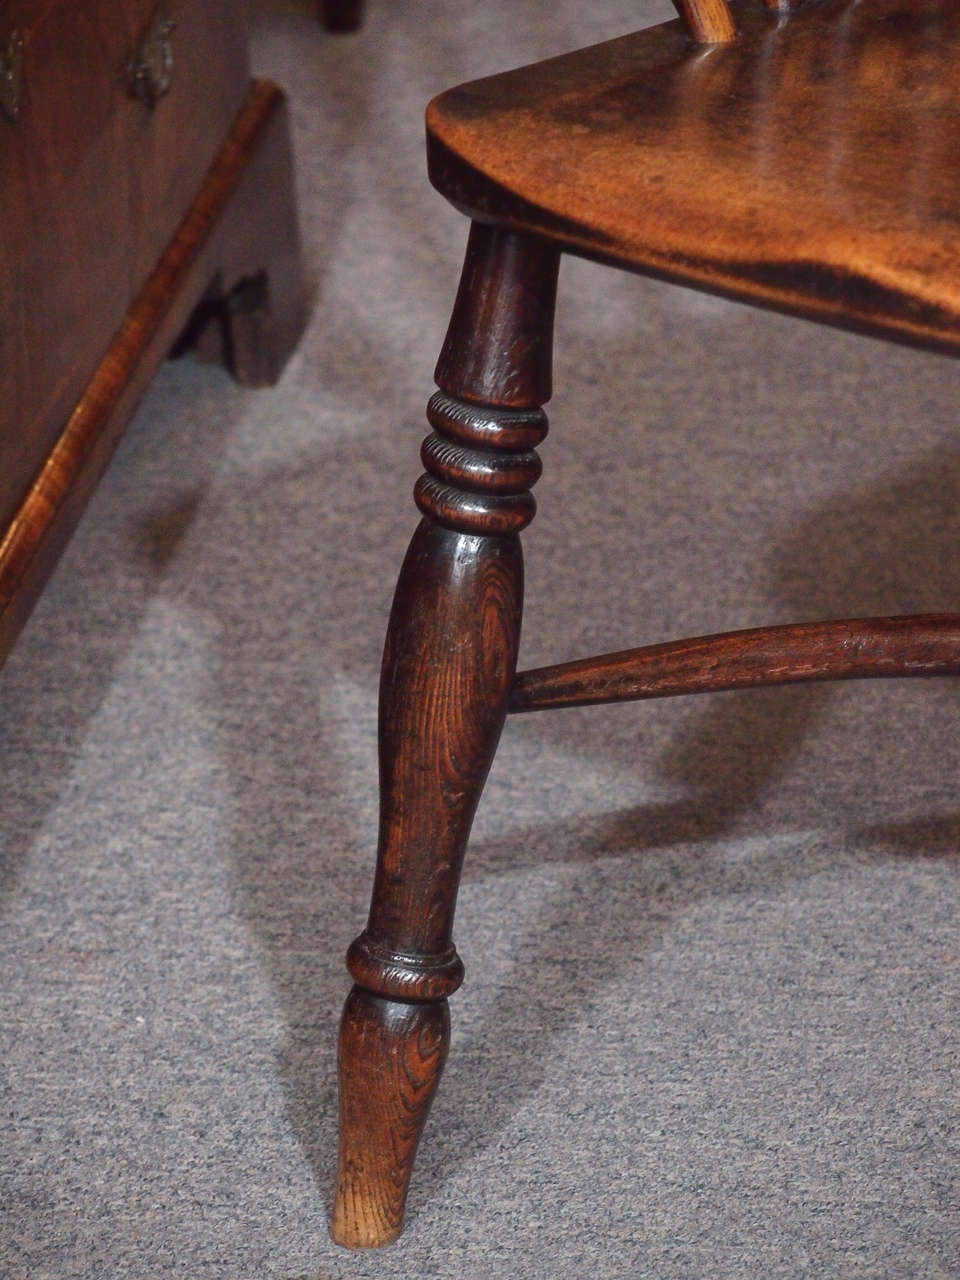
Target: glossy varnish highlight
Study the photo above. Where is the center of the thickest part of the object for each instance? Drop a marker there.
(799, 158)
(810, 165)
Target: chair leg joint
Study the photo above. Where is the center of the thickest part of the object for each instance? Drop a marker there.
(396, 975)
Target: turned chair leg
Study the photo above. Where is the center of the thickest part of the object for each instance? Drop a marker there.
(448, 668)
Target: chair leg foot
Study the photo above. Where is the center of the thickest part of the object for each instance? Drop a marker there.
(391, 1055)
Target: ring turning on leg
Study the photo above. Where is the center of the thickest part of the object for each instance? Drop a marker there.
(448, 667)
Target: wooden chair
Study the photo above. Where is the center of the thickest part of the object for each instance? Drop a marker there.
(803, 160)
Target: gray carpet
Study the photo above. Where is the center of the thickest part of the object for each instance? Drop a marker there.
(709, 1027)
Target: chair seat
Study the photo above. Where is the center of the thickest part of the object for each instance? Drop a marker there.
(813, 165)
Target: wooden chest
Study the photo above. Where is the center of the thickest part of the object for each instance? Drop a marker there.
(142, 174)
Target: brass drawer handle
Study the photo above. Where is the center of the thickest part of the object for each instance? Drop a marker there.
(11, 76)
(151, 71)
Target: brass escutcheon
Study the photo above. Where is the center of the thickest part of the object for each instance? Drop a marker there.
(11, 76)
(151, 71)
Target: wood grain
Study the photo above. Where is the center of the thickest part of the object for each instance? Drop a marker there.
(707, 21)
(848, 649)
(498, 349)
(169, 147)
(229, 231)
(94, 187)
(808, 165)
(448, 668)
(447, 671)
(391, 1056)
(451, 647)
(64, 174)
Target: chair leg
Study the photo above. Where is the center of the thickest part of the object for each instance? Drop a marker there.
(448, 667)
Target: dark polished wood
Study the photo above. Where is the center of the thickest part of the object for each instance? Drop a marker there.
(800, 157)
(847, 649)
(391, 1056)
(448, 668)
(92, 175)
(242, 224)
(809, 165)
(341, 16)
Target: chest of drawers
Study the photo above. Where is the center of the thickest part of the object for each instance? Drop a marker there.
(144, 180)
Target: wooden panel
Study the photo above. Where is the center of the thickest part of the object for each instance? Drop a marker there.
(243, 221)
(95, 183)
(64, 176)
(810, 165)
(172, 145)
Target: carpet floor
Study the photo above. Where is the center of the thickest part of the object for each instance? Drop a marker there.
(710, 1023)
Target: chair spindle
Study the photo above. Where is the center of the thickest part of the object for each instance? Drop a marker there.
(707, 21)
